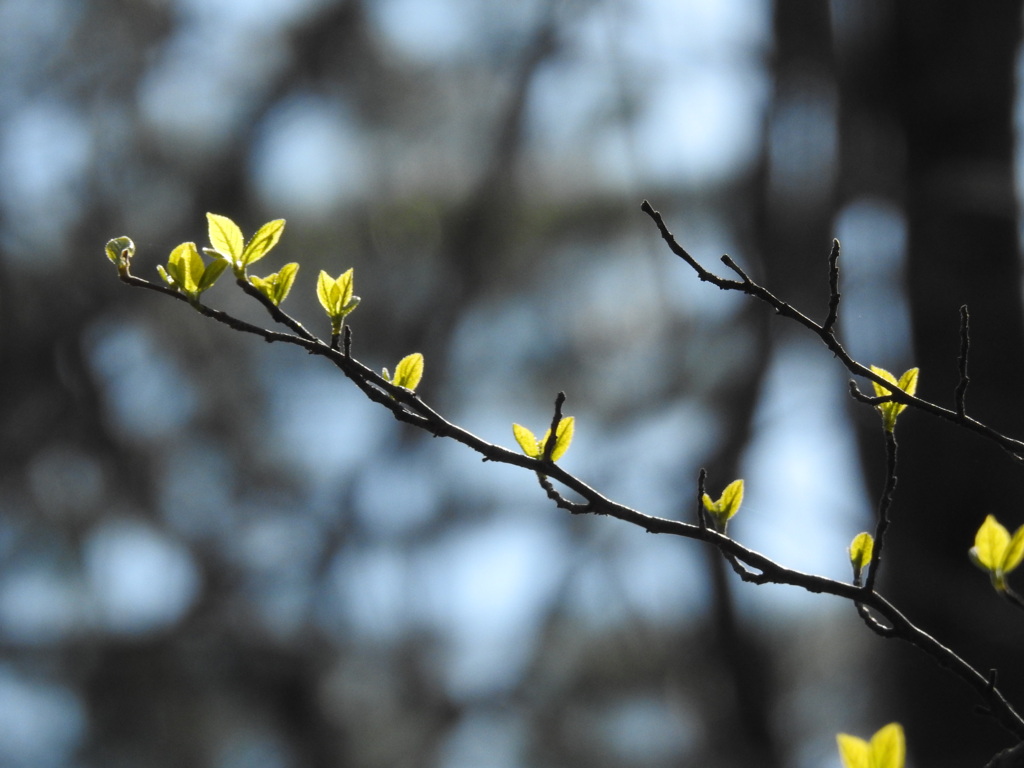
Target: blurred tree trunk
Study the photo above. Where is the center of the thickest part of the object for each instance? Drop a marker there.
(944, 78)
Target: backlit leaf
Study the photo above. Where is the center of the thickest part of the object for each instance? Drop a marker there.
(211, 272)
(266, 237)
(225, 236)
(888, 747)
(990, 544)
(727, 505)
(907, 382)
(854, 752)
(563, 438)
(1014, 551)
(409, 371)
(120, 250)
(527, 441)
(183, 265)
(732, 498)
(285, 281)
(861, 548)
(327, 292)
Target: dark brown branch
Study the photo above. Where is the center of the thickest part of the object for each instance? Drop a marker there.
(833, 288)
(965, 347)
(752, 566)
(884, 504)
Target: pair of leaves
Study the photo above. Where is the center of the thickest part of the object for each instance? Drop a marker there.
(996, 552)
(229, 245)
(727, 505)
(907, 382)
(187, 271)
(861, 549)
(276, 286)
(887, 749)
(534, 448)
(335, 294)
(408, 372)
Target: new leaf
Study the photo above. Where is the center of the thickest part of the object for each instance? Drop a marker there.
(996, 552)
(727, 505)
(225, 237)
(187, 271)
(907, 382)
(276, 286)
(860, 550)
(120, 251)
(408, 372)
(887, 749)
(534, 448)
(335, 295)
(227, 241)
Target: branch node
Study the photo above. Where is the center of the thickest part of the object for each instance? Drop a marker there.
(727, 260)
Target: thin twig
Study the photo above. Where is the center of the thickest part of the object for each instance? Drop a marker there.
(1012, 446)
(549, 445)
(884, 504)
(965, 348)
(833, 288)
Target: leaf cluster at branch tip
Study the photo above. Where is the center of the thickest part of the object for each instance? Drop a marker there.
(187, 271)
(277, 285)
(727, 505)
(887, 749)
(228, 244)
(120, 251)
(907, 382)
(335, 294)
(996, 552)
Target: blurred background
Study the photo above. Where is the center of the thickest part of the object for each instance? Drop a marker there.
(215, 552)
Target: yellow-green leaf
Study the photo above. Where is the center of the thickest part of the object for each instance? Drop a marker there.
(1014, 551)
(266, 237)
(327, 292)
(728, 504)
(276, 286)
(409, 371)
(225, 236)
(563, 438)
(732, 498)
(853, 751)
(527, 441)
(990, 545)
(861, 548)
(907, 382)
(120, 251)
(185, 265)
(887, 749)
(336, 297)
(996, 552)
(285, 281)
(211, 272)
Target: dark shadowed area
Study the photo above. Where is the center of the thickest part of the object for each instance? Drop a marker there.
(216, 552)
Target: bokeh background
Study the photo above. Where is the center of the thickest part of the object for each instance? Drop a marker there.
(215, 552)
